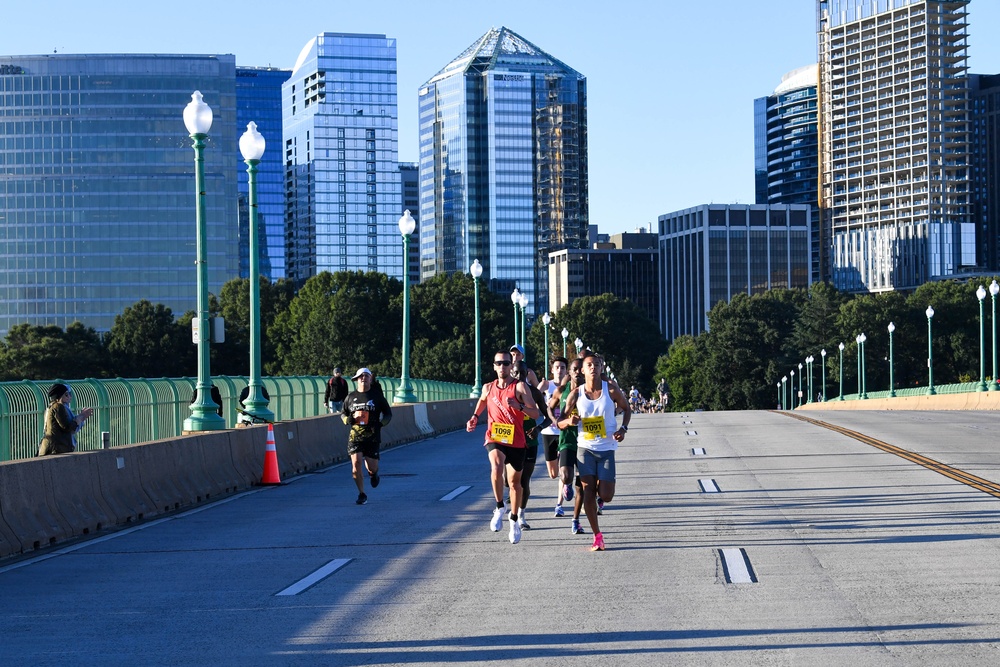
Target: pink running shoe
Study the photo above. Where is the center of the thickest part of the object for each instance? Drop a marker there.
(598, 542)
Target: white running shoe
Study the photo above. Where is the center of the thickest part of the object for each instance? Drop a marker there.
(515, 532)
(497, 522)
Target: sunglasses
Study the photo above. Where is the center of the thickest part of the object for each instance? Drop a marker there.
(501, 363)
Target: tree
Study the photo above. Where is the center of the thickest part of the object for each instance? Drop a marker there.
(38, 352)
(233, 356)
(682, 368)
(145, 341)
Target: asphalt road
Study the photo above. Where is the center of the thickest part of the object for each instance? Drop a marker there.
(783, 543)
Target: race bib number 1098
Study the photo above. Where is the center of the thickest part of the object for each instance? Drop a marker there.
(503, 433)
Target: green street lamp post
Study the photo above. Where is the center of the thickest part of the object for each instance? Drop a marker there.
(892, 379)
(204, 411)
(822, 375)
(841, 397)
(981, 294)
(252, 146)
(862, 394)
(784, 393)
(792, 373)
(515, 298)
(404, 394)
(800, 385)
(579, 346)
(546, 319)
(809, 363)
(565, 335)
(994, 290)
(523, 302)
(930, 352)
(477, 270)
(779, 395)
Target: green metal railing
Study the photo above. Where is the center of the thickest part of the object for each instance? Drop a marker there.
(142, 410)
(959, 388)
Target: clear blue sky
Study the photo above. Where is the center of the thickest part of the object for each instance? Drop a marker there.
(670, 84)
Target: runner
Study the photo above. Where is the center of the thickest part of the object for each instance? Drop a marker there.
(517, 356)
(506, 401)
(567, 443)
(550, 435)
(532, 427)
(592, 407)
(366, 411)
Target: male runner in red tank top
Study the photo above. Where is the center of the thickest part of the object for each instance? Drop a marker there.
(506, 400)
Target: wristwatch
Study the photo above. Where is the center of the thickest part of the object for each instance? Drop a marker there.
(625, 428)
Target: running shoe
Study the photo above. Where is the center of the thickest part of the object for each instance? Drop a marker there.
(568, 491)
(522, 523)
(497, 522)
(375, 480)
(577, 529)
(515, 532)
(600, 506)
(559, 511)
(598, 542)
(362, 499)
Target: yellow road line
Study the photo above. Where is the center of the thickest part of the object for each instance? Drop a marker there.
(978, 483)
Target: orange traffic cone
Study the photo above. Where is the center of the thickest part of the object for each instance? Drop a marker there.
(271, 475)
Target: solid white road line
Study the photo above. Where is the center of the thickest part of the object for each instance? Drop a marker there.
(736, 565)
(708, 486)
(456, 493)
(317, 576)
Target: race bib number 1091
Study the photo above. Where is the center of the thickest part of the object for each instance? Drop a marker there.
(593, 428)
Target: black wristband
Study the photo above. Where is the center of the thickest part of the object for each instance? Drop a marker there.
(625, 428)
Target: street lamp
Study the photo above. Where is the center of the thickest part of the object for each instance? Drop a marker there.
(792, 373)
(404, 394)
(930, 353)
(862, 394)
(204, 411)
(981, 294)
(841, 373)
(822, 353)
(252, 148)
(523, 302)
(892, 380)
(477, 270)
(546, 319)
(800, 385)
(565, 335)
(579, 346)
(784, 393)
(779, 395)
(994, 290)
(515, 298)
(809, 363)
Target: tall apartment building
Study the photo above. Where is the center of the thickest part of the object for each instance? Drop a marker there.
(409, 174)
(342, 181)
(786, 156)
(894, 142)
(503, 164)
(712, 252)
(985, 147)
(97, 193)
(258, 99)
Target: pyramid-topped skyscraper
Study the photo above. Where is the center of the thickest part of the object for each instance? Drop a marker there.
(503, 164)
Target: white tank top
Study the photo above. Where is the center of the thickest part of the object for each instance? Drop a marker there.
(549, 391)
(598, 421)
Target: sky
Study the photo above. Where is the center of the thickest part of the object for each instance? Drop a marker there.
(670, 84)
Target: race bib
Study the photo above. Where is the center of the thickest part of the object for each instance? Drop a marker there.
(502, 433)
(361, 417)
(593, 428)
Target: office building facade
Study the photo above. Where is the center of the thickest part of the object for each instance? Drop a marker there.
(985, 146)
(409, 175)
(342, 181)
(629, 270)
(97, 197)
(786, 155)
(503, 164)
(258, 99)
(713, 252)
(894, 142)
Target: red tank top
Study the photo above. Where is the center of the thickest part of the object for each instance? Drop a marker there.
(504, 425)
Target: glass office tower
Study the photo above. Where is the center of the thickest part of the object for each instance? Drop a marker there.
(786, 156)
(713, 252)
(342, 181)
(258, 99)
(985, 147)
(97, 190)
(503, 164)
(894, 142)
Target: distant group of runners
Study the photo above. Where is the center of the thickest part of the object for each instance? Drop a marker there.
(581, 416)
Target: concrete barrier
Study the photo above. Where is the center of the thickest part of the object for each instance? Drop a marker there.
(50, 499)
(982, 400)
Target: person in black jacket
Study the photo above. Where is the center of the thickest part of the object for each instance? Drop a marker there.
(336, 392)
(366, 411)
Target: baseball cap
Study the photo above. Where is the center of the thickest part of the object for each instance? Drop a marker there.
(361, 371)
(518, 348)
